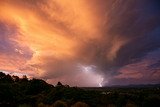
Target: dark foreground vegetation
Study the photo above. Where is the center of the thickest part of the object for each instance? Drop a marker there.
(22, 92)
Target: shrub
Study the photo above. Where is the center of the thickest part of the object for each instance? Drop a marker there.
(80, 104)
(42, 105)
(59, 103)
(24, 105)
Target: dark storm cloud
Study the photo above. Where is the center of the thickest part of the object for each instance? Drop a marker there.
(140, 24)
(137, 22)
(144, 71)
(137, 25)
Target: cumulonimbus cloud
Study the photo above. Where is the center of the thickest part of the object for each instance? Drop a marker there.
(69, 41)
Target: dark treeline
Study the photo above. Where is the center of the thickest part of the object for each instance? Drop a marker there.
(24, 92)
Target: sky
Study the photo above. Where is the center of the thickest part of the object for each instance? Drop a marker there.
(86, 43)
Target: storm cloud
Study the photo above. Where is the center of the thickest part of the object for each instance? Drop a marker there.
(82, 43)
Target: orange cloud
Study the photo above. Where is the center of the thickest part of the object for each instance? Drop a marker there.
(52, 29)
(50, 38)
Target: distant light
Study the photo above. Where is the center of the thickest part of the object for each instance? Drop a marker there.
(93, 77)
(100, 84)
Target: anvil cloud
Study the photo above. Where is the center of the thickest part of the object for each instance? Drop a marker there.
(82, 43)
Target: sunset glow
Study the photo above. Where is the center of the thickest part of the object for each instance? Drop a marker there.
(81, 43)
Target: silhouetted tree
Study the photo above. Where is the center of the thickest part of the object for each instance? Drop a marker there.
(5, 78)
(59, 103)
(37, 86)
(59, 84)
(80, 104)
(22, 92)
(24, 78)
(15, 78)
(2, 75)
